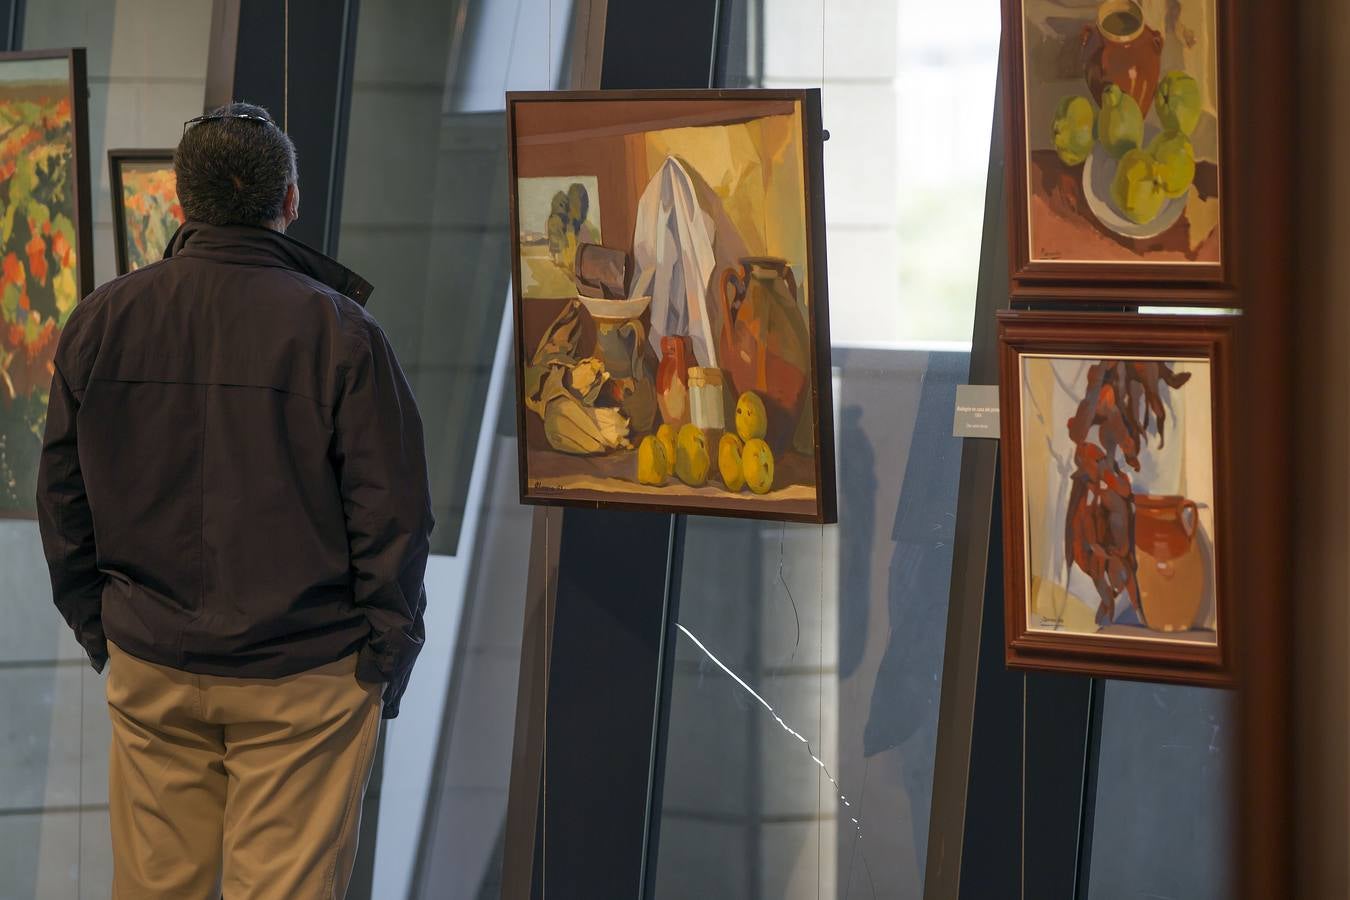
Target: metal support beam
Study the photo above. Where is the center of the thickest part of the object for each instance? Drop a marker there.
(295, 58)
(11, 24)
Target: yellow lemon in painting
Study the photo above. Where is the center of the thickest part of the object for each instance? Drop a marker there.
(1075, 120)
(666, 435)
(757, 464)
(691, 456)
(729, 451)
(1178, 102)
(1174, 159)
(751, 419)
(1136, 188)
(653, 464)
(1120, 124)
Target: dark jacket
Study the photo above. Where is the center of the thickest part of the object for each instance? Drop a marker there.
(233, 479)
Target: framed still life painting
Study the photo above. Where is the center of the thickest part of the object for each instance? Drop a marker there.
(146, 212)
(1119, 141)
(672, 336)
(1115, 500)
(46, 264)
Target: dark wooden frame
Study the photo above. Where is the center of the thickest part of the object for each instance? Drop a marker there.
(1110, 335)
(818, 322)
(79, 184)
(1282, 423)
(1153, 284)
(116, 160)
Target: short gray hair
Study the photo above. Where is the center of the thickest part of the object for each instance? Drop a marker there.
(234, 170)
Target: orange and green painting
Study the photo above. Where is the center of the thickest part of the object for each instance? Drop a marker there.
(150, 210)
(38, 259)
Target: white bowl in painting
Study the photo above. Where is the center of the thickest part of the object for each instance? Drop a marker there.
(615, 310)
(1098, 173)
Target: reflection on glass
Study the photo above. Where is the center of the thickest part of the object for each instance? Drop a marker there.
(908, 96)
(422, 220)
(54, 839)
(464, 832)
(840, 630)
(1162, 808)
(424, 216)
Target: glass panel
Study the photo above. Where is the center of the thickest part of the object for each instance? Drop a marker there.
(839, 633)
(907, 100)
(423, 214)
(465, 829)
(1162, 816)
(808, 664)
(423, 221)
(424, 218)
(147, 74)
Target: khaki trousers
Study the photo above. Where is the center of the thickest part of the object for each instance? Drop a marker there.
(249, 788)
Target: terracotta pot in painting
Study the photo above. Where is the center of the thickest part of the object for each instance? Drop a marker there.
(1119, 48)
(672, 379)
(1171, 566)
(764, 345)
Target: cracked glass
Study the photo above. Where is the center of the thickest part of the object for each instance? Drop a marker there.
(808, 659)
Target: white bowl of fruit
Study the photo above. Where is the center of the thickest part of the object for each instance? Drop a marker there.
(1137, 176)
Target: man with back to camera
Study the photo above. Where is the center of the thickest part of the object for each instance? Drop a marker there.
(234, 507)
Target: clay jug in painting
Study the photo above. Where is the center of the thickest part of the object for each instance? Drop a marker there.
(1119, 48)
(764, 345)
(1171, 565)
(672, 379)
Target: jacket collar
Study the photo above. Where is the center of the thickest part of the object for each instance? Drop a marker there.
(250, 245)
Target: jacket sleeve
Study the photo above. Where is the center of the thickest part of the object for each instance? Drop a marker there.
(382, 471)
(67, 525)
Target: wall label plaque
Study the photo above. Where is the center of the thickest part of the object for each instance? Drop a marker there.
(976, 411)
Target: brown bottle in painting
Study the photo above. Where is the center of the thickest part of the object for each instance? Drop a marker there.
(1119, 48)
(672, 379)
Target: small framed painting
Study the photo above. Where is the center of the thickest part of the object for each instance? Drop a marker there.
(1119, 143)
(1115, 500)
(671, 321)
(146, 212)
(45, 247)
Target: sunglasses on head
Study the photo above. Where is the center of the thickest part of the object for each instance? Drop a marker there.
(213, 117)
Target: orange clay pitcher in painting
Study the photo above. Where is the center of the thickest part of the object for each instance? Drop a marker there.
(1119, 48)
(1171, 568)
(764, 345)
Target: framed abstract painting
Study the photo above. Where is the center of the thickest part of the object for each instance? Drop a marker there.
(46, 261)
(1119, 141)
(146, 212)
(671, 321)
(1115, 494)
